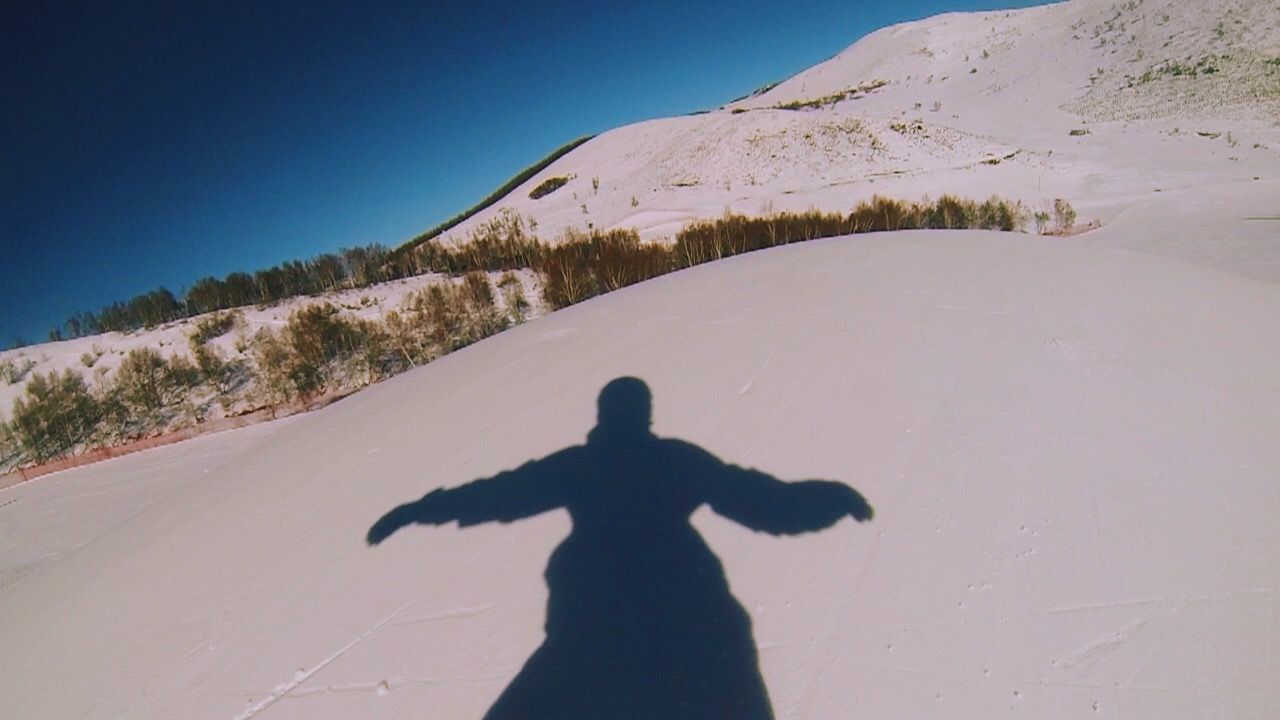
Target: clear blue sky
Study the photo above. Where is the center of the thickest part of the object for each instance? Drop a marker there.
(151, 144)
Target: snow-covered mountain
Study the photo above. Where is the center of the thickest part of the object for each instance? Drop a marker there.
(1111, 105)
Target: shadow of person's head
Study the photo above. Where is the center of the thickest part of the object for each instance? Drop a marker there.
(625, 407)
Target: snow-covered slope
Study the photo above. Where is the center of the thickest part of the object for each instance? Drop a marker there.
(46, 520)
(1070, 450)
(1021, 70)
(939, 97)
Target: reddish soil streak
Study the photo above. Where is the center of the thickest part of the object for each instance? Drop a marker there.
(99, 454)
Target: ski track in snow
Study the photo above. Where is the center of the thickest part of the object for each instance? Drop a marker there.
(752, 380)
(462, 612)
(302, 676)
(1103, 645)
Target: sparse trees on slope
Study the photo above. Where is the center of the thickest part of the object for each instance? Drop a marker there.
(272, 356)
(56, 414)
(320, 349)
(146, 383)
(322, 341)
(10, 449)
(140, 380)
(517, 305)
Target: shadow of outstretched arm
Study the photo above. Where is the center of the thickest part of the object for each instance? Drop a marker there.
(531, 489)
(764, 503)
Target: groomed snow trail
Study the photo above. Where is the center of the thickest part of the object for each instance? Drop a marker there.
(1070, 449)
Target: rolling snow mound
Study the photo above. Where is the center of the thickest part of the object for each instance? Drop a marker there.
(1070, 450)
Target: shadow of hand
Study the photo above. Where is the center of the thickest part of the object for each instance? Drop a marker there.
(397, 518)
(859, 508)
(434, 508)
(847, 500)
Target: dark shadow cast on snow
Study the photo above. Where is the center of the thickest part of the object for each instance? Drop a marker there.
(640, 621)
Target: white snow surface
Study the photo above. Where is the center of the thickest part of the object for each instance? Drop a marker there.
(45, 520)
(1070, 449)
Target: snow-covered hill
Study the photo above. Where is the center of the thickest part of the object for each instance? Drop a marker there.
(1070, 451)
(967, 103)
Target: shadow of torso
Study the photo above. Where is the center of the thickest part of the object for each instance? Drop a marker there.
(640, 620)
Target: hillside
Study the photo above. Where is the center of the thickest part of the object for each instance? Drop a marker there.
(971, 104)
(1070, 451)
(224, 369)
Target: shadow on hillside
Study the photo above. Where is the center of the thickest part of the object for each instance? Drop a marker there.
(640, 621)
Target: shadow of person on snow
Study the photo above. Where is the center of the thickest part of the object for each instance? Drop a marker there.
(640, 621)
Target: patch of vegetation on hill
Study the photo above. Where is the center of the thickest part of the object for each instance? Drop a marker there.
(581, 264)
(213, 326)
(320, 349)
(12, 371)
(852, 93)
(1206, 65)
(1194, 84)
(493, 197)
(56, 415)
(548, 186)
(757, 92)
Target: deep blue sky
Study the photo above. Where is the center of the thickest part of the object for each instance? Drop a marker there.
(151, 144)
